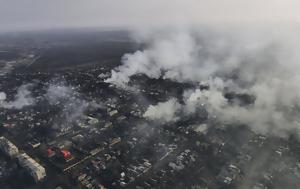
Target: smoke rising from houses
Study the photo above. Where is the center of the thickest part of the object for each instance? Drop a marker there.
(261, 62)
(71, 103)
(22, 98)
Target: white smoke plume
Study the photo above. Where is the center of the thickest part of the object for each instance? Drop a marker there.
(56, 93)
(22, 99)
(263, 62)
(171, 54)
(163, 111)
(2, 96)
(73, 105)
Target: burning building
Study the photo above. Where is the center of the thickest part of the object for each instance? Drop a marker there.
(66, 155)
(50, 152)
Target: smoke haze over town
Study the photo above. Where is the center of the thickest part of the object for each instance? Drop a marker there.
(192, 94)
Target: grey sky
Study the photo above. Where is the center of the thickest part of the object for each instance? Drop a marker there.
(43, 14)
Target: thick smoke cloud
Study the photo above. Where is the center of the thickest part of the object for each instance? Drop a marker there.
(262, 62)
(164, 112)
(22, 99)
(175, 52)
